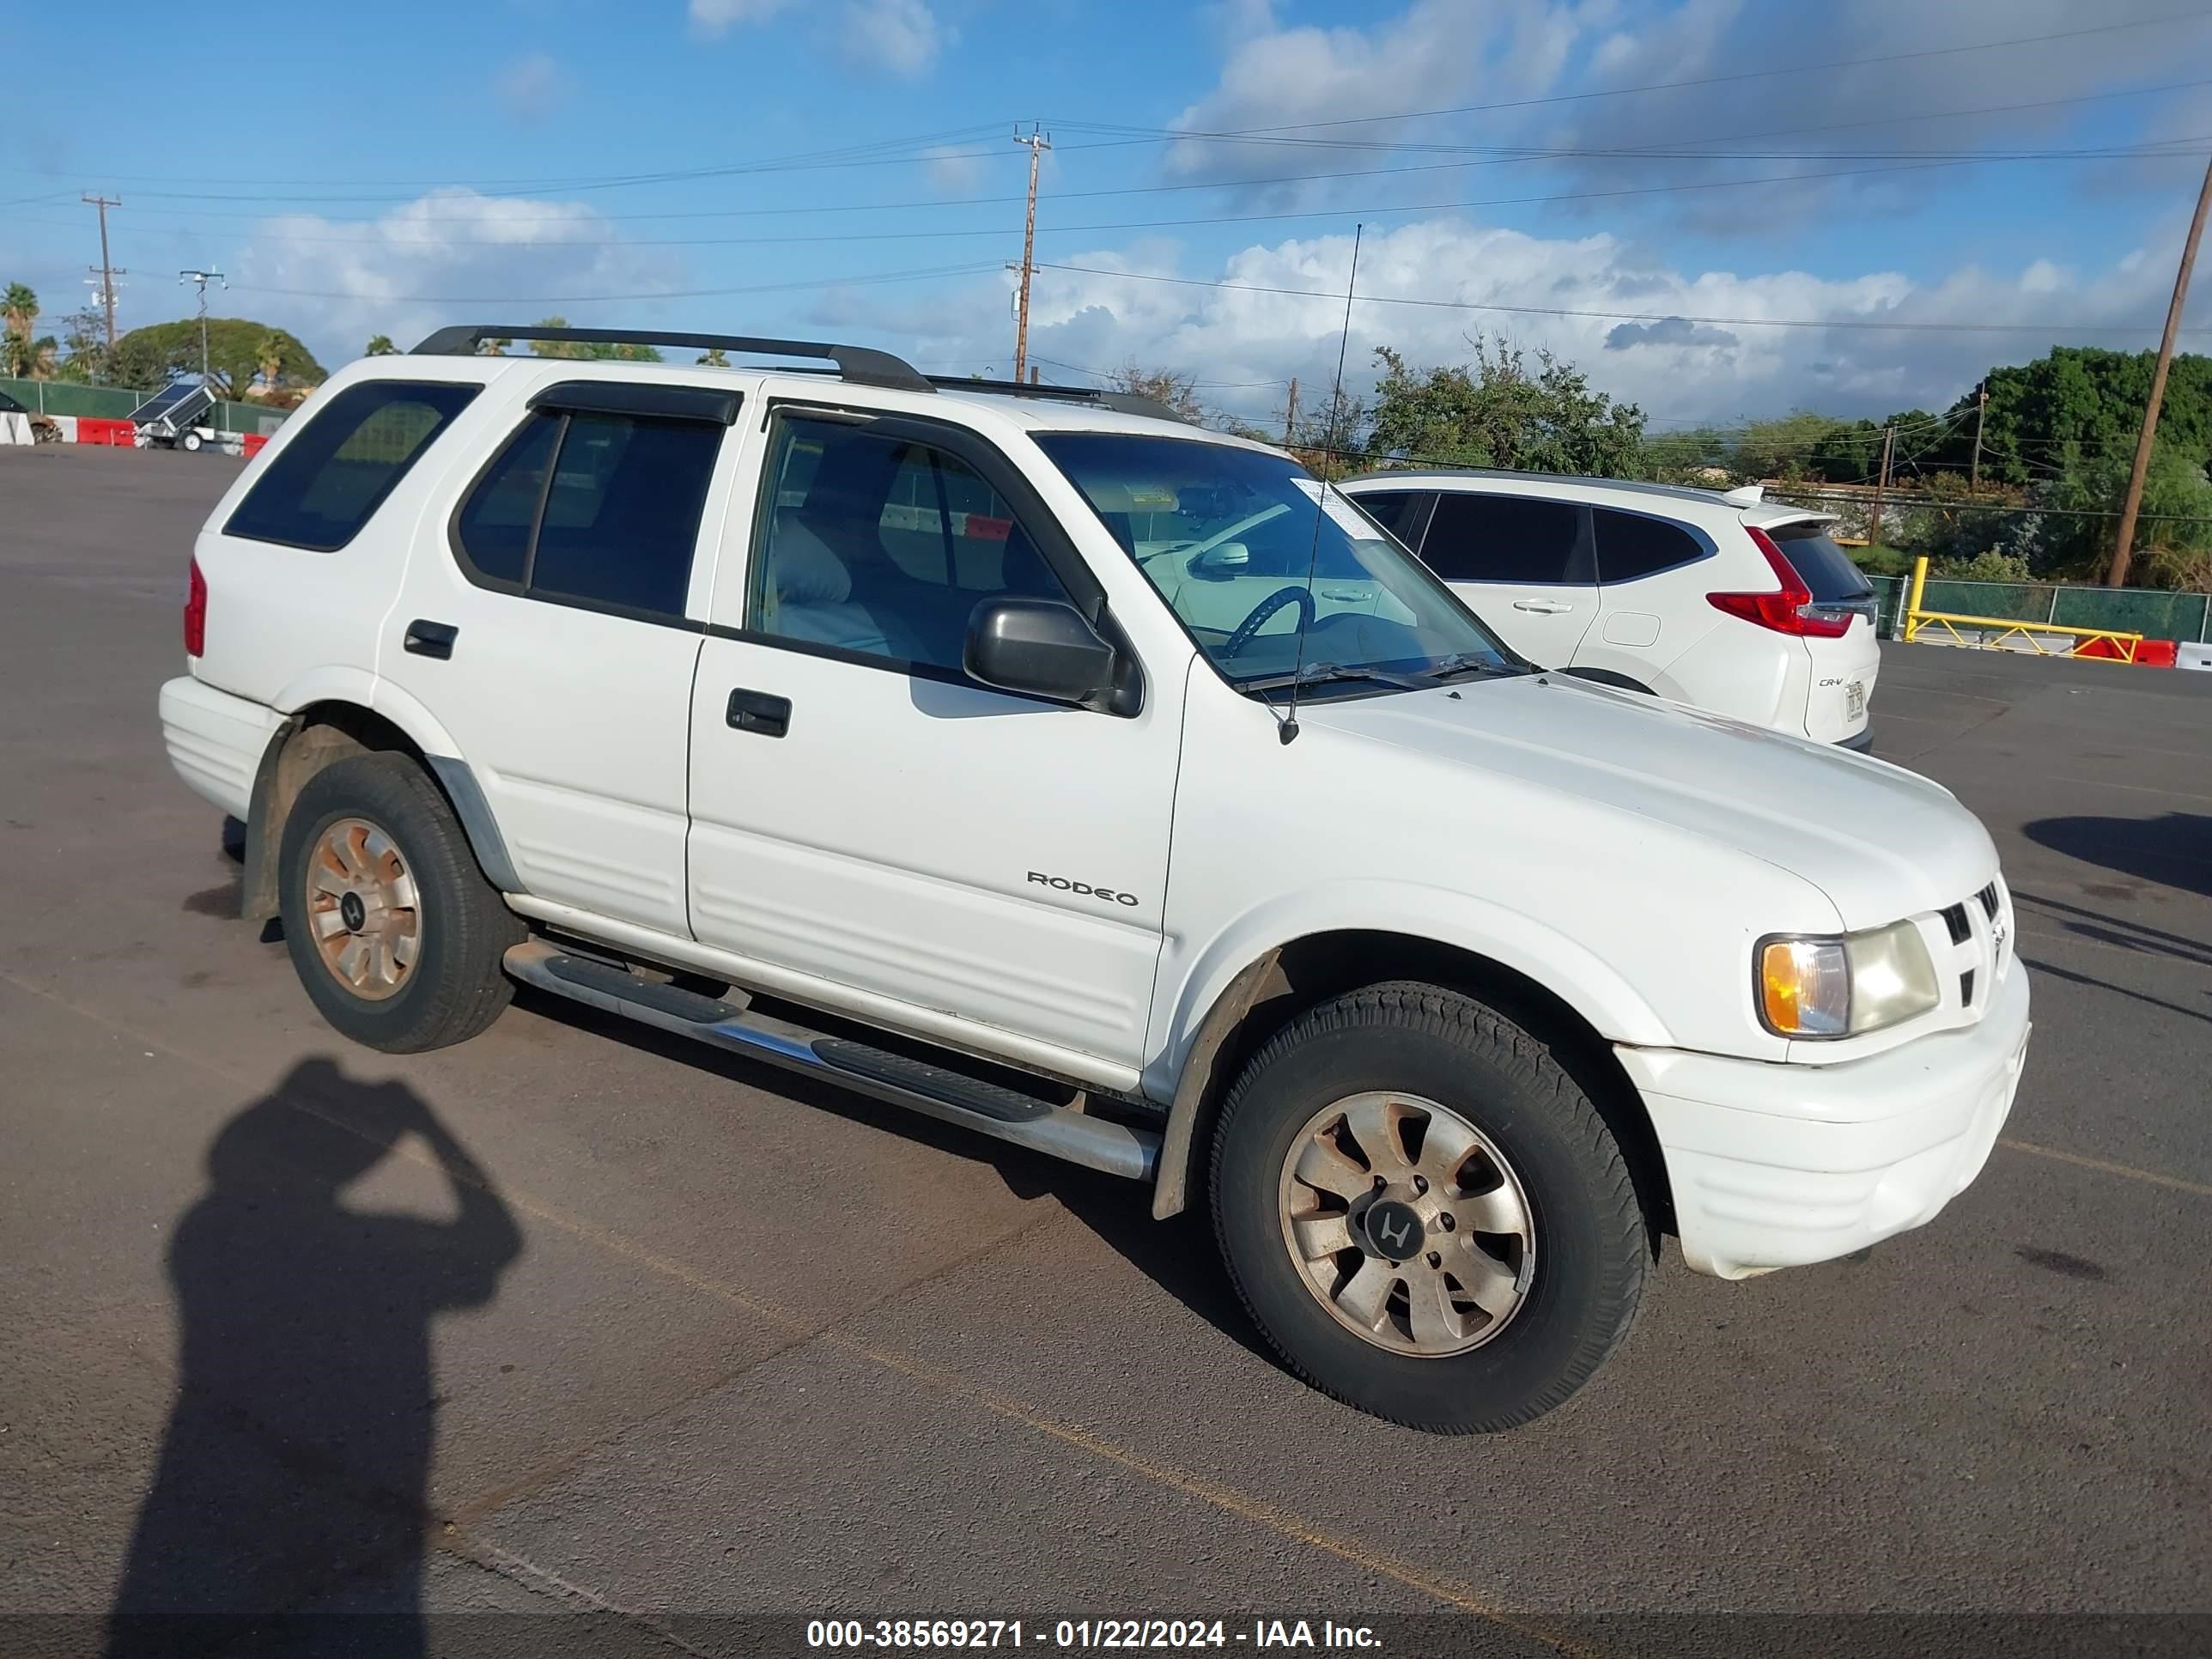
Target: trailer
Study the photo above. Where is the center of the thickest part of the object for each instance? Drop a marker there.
(170, 418)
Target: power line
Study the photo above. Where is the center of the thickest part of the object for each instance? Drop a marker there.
(1623, 316)
(810, 282)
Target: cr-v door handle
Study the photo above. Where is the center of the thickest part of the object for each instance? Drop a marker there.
(758, 712)
(430, 639)
(1543, 607)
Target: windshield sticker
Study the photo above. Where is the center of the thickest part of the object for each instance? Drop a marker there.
(1340, 512)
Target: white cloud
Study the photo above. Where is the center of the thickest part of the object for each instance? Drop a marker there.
(531, 88)
(720, 16)
(451, 256)
(1653, 340)
(953, 172)
(897, 37)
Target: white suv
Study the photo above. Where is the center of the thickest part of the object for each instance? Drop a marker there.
(1733, 604)
(851, 722)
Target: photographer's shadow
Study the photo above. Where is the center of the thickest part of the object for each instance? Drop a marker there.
(298, 1451)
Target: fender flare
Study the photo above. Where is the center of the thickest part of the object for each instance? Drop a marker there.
(1243, 966)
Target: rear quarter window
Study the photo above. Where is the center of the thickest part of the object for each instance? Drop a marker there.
(1827, 568)
(1633, 545)
(321, 488)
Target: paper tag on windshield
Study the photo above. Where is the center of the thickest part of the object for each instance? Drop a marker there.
(1339, 511)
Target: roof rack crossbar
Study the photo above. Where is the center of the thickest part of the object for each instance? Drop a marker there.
(863, 365)
(1127, 402)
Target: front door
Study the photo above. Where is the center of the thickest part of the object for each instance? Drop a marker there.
(1523, 564)
(866, 814)
(545, 625)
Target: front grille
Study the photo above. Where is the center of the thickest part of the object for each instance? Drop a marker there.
(1954, 921)
(1966, 989)
(1988, 898)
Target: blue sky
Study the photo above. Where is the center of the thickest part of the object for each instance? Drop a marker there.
(847, 166)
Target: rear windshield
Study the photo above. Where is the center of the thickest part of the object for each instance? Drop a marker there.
(1827, 568)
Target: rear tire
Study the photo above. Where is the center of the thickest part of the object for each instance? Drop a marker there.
(394, 932)
(1437, 1117)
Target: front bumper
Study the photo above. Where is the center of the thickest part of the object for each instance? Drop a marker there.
(1779, 1165)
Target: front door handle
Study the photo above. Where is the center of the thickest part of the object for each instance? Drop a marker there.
(1543, 607)
(759, 713)
(430, 639)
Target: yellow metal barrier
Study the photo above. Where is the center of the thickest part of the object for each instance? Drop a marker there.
(2122, 646)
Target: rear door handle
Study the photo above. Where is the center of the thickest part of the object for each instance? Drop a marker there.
(1543, 607)
(759, 713)
(430, 639)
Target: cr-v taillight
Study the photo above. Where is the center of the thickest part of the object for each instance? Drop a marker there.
(195, 612)
(1792, 610)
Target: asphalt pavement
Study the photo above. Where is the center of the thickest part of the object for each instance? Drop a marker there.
(576, 1321)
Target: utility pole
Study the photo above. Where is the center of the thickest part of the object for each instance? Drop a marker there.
(1038, 144)
(107, 271)
(203, 278)
(2116, 573)
(1981, 408)
(1881, 483)
(1290, 416)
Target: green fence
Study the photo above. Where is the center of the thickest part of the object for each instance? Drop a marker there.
(116, 403)
(2155, 613)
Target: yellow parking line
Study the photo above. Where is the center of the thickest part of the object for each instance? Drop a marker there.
(2104, 1168)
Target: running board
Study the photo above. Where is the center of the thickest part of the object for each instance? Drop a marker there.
(937, 1091)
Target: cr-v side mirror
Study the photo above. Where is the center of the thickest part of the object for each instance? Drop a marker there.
(1041, 647)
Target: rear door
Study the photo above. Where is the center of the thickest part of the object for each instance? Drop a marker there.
(1653, 572)
(551, 621)
(1522, 564)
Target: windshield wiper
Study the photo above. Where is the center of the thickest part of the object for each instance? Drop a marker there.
(1467, 662)
(1330, 673)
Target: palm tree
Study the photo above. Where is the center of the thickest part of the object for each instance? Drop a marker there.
(269, 356)
(19, 309)
(491, 348)
(380, 345)
(713, 359)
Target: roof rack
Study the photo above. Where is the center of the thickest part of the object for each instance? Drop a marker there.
(1126, 403)
(862, 365)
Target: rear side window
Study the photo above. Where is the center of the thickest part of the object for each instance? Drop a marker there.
(593, 509)
(1827, 568)
(1630, 546)
(1509, 538)
(322, 487)
(1397, 511)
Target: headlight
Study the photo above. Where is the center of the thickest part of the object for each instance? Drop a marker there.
(1837, 988)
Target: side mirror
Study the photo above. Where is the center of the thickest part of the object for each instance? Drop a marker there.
(1041, 647)
(1221, 562)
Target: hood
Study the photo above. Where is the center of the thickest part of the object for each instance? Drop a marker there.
(1880, 843)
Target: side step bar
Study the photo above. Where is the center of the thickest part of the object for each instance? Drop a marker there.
(1005, 1114)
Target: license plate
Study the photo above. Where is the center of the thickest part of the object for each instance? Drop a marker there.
(1855, 699)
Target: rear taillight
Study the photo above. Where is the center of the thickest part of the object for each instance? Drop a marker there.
(1792, 610)
(195, 612)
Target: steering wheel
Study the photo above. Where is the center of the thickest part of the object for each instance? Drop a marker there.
(1268, 607)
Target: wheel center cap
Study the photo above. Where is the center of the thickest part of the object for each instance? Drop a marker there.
(1393, 1229)
(353, 912)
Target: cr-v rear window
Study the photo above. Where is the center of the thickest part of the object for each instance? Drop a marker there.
(1827, 568)
(323, 485)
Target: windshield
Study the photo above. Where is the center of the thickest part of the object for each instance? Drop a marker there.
(1249, 549)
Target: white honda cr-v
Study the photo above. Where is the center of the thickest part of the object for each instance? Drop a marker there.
(1729, 601)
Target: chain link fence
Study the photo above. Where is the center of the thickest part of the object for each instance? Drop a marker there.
(116, 403)
(2155, 613)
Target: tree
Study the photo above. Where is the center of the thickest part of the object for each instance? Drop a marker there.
(1330, 439)
(269, 360)
(84, 339)
(493, 348)
(713, 358)
(19, 309)
(2172, 536)
(1162, 386)
(592, 350)
(146, 357)
(1498, 411)
(380, 345)
(2081, 396)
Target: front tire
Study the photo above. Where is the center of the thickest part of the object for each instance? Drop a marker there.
(1424, 1214)
(392, 929)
